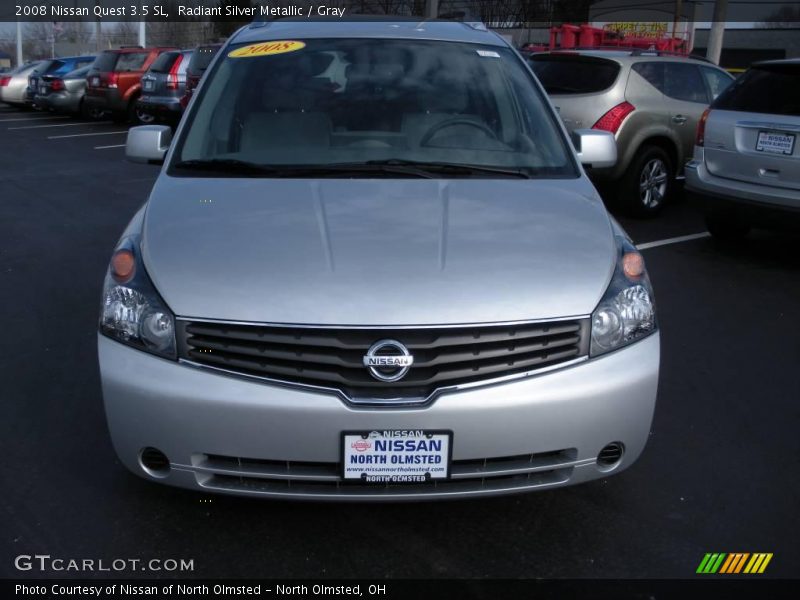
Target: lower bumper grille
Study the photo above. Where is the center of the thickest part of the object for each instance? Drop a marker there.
(333, 358)
(322, 479)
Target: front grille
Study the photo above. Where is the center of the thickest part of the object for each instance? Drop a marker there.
(320, 479)
(333, 357)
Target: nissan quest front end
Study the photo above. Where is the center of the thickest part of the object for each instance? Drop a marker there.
(373, 268)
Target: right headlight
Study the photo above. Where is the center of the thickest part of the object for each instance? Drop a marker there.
(627, 310)
(132, 312)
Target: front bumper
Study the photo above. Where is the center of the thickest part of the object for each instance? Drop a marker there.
(233, 435)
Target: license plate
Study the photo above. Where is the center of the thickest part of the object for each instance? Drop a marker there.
(42, 89)
(775, 143)
(148, 86)
(95, 81)
(396, 456)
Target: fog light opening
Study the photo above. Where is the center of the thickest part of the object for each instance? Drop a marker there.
(610, 456)
(154, 462)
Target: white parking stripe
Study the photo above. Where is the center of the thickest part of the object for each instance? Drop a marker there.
(675, 240)
(57, 125)
(106, 147)
(42, 118)
(59, 137)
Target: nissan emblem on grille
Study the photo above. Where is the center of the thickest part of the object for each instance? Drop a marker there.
(388, 360)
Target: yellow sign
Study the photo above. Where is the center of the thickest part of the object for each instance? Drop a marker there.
(267, 48)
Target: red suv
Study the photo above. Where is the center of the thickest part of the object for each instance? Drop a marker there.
(113, 84)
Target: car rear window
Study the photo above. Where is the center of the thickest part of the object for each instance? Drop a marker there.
(771, 89)
(164, 62)
(201, 58)
(131, 61)
(78, 73)
(106, 61)
(574, 74)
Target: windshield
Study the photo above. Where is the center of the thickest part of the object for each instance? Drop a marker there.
(352, 102)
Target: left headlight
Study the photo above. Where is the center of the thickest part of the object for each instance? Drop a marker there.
(132, 312)
(627, 311)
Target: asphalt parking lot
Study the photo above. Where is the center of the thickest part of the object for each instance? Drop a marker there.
(719, 473)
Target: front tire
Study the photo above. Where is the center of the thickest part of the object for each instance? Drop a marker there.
(648, 182)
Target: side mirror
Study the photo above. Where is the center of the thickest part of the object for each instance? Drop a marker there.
(148, 144)
(596, 148)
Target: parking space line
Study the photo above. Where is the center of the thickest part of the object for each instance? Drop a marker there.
(42, 118)
(56, 125)
(674, 240)
(106, 147)
(59, 137)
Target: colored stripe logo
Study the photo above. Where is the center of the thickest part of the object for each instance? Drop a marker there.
(734, 563)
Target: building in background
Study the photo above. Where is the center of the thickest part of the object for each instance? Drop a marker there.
(741, 47)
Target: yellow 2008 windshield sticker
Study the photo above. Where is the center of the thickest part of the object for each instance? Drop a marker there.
(267, 48)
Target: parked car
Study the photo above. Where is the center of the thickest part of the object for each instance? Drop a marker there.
(650, 102)
(163, 86)
(13, 85)
(201, 59)
(65, 94)
(746, 167)
(372, 267)
(114, 82)
(55, 67)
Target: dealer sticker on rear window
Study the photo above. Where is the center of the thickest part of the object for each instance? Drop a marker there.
(267, 48)
(396, 456)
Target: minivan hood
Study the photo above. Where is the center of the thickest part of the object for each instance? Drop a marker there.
(377, 251)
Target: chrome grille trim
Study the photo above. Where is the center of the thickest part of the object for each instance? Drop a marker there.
(329, 359)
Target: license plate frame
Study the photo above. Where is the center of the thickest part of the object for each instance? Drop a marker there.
(766, 142)
(401, 473)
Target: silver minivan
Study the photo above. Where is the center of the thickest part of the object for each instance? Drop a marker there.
(373, 267)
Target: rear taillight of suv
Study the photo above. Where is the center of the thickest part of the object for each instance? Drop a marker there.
(172, 78)
(57, 85)
(612, 120)
(113, 80)
(4, 81)
(700, 138)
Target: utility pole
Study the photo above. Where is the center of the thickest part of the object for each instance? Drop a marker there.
(677, 17)
(19, 44)
(431, 9)
(142, 34)
(98, 43)
(717, 31)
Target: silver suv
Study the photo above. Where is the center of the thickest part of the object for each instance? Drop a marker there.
(373, 267)
(651, 103)
(746, 167)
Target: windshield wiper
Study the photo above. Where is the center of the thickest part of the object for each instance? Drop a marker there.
(242, 167)
(226, 165)
(443, 168)
(394, 166)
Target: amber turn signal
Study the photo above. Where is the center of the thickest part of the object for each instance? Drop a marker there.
(633, 265)
(123, 266)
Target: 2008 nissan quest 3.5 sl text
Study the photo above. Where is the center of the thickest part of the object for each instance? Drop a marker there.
(373, 267)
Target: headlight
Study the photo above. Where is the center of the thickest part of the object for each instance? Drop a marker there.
(132, 311)
(627, 311)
